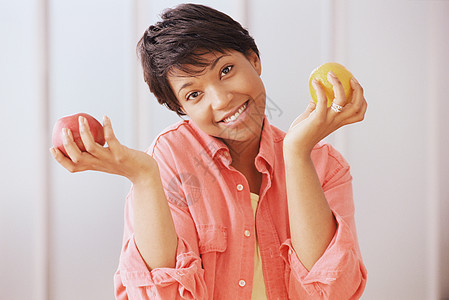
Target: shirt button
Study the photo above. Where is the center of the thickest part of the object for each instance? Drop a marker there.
(247, 233)
(239, 187)
(242, 283)
(289, 251)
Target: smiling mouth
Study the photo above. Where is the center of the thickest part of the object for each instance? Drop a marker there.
(237, 114)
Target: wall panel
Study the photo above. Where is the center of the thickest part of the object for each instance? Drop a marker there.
(21, 189)
(438, 141)
(89, 64)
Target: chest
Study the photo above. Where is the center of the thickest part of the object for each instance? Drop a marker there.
(227, 230)
(254, 181)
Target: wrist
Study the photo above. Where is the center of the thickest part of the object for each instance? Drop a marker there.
(295, 152)
(146, 175)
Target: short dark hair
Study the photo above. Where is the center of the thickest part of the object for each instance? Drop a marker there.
(179, 40)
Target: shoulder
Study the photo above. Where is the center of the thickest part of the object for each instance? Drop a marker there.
(180, 133)
(326, 151)
(329, 162)
(277, 134)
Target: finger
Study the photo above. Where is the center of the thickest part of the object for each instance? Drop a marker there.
(310, 108)
(356, 109)
(357, 99)
(358, 90)
(357, 117)
(321, 105)
(86, 136)
(71, 148)
(109, 135)
(339, 92)
(63, 160)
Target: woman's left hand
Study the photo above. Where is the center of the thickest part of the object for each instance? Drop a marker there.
(318, 121)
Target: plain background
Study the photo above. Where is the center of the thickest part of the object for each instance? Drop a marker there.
(60, 233)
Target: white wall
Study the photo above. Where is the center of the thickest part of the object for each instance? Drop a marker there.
(60, 233)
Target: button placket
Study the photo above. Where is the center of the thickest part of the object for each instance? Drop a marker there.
(246, 232)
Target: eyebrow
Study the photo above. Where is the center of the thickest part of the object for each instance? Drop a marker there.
(212, 65)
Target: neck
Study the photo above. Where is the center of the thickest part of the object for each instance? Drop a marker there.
(243, 153)
(243, 156)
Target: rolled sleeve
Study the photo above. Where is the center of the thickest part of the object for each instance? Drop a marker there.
(339, 271)
(182, 282)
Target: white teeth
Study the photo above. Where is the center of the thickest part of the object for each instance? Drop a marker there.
(236, 115)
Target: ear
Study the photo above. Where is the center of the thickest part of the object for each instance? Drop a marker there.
(255, 61)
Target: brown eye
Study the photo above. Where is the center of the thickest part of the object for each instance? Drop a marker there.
(226, 70)
(192, 95)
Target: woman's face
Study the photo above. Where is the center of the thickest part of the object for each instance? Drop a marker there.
(226, 99)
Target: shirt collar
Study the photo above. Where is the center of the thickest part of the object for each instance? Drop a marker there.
(211, 145)
(214, 146)
(266, 147)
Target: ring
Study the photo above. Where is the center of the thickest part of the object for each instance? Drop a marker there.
(335, 107)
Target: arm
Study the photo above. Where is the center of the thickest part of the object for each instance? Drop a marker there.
(312, 224)
(141, 169)
(153, 223)
(157, 260)
(339, 273)
(186, 279)
(323, 251)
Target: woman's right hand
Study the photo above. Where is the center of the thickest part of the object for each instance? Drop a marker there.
(117, 159)
(153, 222)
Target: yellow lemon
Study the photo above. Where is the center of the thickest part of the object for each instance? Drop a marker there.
(320, 74)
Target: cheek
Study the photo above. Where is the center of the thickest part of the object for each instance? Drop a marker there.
(199, 113)
(258, 88)
(251, 82)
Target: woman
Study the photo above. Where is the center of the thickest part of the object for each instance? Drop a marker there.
(225, 205)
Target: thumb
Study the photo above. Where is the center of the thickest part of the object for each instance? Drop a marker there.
(310, 108)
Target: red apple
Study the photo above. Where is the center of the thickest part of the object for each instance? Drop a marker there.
(71, 122)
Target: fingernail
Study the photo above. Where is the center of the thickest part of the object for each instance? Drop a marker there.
(354, 80)
(332, 74)
(314, 81)
(69, 134)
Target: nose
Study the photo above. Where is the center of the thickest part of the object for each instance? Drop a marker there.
(220, 97)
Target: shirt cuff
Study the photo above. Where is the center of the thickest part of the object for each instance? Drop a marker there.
(134, 272)
(329, 265)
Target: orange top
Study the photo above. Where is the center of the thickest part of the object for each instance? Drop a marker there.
(211, 207)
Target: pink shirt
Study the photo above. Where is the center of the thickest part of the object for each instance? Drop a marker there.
(211, 208)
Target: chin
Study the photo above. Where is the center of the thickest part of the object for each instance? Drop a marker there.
(245, 133)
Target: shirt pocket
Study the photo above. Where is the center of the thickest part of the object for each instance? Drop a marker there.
(212, 238)
(212, 245)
